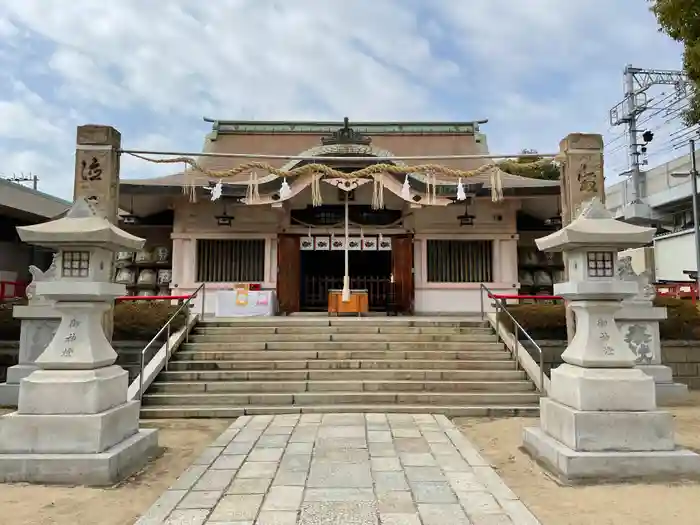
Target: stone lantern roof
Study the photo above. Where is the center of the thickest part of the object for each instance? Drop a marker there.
(596, 227)
(80, 227)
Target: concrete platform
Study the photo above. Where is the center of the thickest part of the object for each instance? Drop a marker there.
(573, 467)
(340, 468)
(103, 469)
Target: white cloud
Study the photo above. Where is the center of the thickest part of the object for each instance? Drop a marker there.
(538, 69)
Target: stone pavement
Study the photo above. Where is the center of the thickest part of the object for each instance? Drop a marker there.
(340, 469)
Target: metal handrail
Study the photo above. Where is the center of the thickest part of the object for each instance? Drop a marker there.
(166, 327)
(500, 306)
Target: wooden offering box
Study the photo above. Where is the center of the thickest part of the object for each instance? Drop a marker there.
(358, 303)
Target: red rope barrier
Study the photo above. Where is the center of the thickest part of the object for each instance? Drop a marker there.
(153, 298)
(18, 289)
(515, 296)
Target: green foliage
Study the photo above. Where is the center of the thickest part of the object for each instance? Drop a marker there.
(531, 167)
(543, 321)
(133, 321)
(680, 19)
(141, 321)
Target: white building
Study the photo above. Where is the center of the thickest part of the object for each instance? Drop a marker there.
(670, 199)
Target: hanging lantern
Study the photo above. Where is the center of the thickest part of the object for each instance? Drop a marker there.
(285, 190)
(461, 194)
(406, 189)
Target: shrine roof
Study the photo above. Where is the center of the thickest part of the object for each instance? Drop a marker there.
(80, 226)
(368, 127)
(596, 227)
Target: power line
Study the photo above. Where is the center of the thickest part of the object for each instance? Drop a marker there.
(637, 82)
(18, 179)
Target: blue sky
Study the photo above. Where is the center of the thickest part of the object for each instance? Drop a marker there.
(537, 69)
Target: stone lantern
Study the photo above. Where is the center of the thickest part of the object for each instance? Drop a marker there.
(73, 423)
(600, 421)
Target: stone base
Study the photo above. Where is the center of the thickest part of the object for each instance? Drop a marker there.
(607, 389)
(104, 469)
(79, 391)
(16, 373)
(574, 467)
(9, 391)
(68, 434)
(597, 431)
(669, 394)
(9, 394)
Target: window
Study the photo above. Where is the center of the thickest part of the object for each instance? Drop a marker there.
(460, 261)
(600, 264)
(75, 264)
(230, 260)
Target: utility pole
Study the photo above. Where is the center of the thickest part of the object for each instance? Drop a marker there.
(23, 178)
(694, 186)
(636, 83)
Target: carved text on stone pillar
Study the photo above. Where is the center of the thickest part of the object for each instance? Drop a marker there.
(92, 170)
(587, 173)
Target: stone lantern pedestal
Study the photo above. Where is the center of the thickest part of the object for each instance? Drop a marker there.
(600, 422)
(39, 324)
(638, 320)
(74, 424)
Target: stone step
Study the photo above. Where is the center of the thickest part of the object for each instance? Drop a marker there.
(344, 398)
(231, 355)
(343, 364)
(339, 345)
(343, 375)
(343, 321)
(222, 412)
(343, 329)
(295, 387)
(243, 337)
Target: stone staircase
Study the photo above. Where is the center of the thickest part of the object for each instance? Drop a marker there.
(294, 364)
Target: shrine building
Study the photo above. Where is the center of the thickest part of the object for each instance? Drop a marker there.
(430, 247)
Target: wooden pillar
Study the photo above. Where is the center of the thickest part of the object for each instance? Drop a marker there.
(97, 179)
(402, 269)
(288, 273)
(581, 180)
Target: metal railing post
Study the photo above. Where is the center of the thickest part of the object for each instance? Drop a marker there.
(500, 308)
(481, 300)
(498, 320)
(541, 372)
(516, 344)
(167, 347)
(167, 328)
(204, 298)
(141, 370)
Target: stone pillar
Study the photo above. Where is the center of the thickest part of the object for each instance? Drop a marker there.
(39, 325)
(97, 181)
(39, 322)
(638, 320)
(582, 179)
(582, 172)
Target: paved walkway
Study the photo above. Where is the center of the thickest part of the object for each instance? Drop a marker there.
(340, 469)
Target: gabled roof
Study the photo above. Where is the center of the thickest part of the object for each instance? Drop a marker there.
(30, 202)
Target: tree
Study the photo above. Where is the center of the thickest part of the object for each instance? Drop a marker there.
(533, 166)
(680, 19)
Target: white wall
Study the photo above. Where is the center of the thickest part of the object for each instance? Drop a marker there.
(674, 253)
(494, 221)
